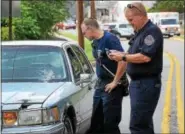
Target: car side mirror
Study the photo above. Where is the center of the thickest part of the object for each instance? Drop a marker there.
(85, 78)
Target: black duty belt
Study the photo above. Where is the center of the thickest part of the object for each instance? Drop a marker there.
(138, 77)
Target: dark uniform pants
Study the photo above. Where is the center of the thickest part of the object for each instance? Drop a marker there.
(144, 96)
(107, 110)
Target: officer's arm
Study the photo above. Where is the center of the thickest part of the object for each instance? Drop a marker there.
(120, 71)
(137, 58)
(115, 44)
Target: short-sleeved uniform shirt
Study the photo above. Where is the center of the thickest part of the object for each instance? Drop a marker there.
(149, 42)
(111, 42)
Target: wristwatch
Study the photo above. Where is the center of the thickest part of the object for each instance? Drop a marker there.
(124, 58)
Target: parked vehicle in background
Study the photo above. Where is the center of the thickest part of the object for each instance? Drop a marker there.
(110, 27)
(69, 24)
(47, 87)
(168, 22)
(124, 30)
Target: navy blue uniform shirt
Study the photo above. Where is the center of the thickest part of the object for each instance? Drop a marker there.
(147, 41)
(110, 42)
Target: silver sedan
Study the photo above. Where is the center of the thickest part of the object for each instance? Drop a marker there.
(47, 87)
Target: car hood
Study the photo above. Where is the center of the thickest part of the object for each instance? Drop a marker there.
(18, 93)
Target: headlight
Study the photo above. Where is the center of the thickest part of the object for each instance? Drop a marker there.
(38, 116)
(51, 115)
(30, 117)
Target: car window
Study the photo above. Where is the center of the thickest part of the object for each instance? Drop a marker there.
(122, 26)
(75, 64)
(129, 26)
(112, 26)
(169, 21)
(33, 64)
(85, 65)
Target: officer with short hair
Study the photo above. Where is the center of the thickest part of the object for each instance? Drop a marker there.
(107, 100)
(144, 66)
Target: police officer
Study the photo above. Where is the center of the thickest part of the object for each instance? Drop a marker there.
(144, 66)
(107, 100)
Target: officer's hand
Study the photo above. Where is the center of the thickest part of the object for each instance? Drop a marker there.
(112, 50)
(109, 87)
(117, 56)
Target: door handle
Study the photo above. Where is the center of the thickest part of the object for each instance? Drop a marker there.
(89, 87)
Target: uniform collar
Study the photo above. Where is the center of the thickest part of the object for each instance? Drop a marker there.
(136, 33)
(104, 32)
(146, 25)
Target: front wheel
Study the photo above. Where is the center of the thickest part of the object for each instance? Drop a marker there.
(68, 127)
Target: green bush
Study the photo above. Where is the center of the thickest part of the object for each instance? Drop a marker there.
(27, 29)
(5, 33)
(38, 17)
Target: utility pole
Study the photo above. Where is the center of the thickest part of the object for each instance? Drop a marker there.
(10, 20)
(80, 16)
(93, 11)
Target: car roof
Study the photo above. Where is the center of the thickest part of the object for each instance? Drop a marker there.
(57, 43)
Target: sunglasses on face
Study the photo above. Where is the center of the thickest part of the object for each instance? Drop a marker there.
(130, 6)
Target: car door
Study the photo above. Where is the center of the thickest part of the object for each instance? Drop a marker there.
(75, 71)
(87, 98)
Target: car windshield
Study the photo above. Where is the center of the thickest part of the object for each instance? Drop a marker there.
(33, 64)
(168, 21)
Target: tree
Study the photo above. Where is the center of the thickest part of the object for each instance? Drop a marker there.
(168, 6)
(38, 17)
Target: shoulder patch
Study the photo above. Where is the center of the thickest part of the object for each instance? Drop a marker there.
(149, 40)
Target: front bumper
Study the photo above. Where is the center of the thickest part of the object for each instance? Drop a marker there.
(49, 129)
(171, 33)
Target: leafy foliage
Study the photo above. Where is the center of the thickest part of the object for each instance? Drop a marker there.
(38, 17)
(5, 33)
(168, 5)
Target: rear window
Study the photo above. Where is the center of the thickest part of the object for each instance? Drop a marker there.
(125, 26)
(112, 26)
(122, 26)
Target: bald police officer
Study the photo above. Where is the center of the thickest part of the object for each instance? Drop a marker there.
(144, 66)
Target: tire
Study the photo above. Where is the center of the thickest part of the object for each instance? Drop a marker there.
(68, 127)
(168, 36)
(128, 38)
(178, 34)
